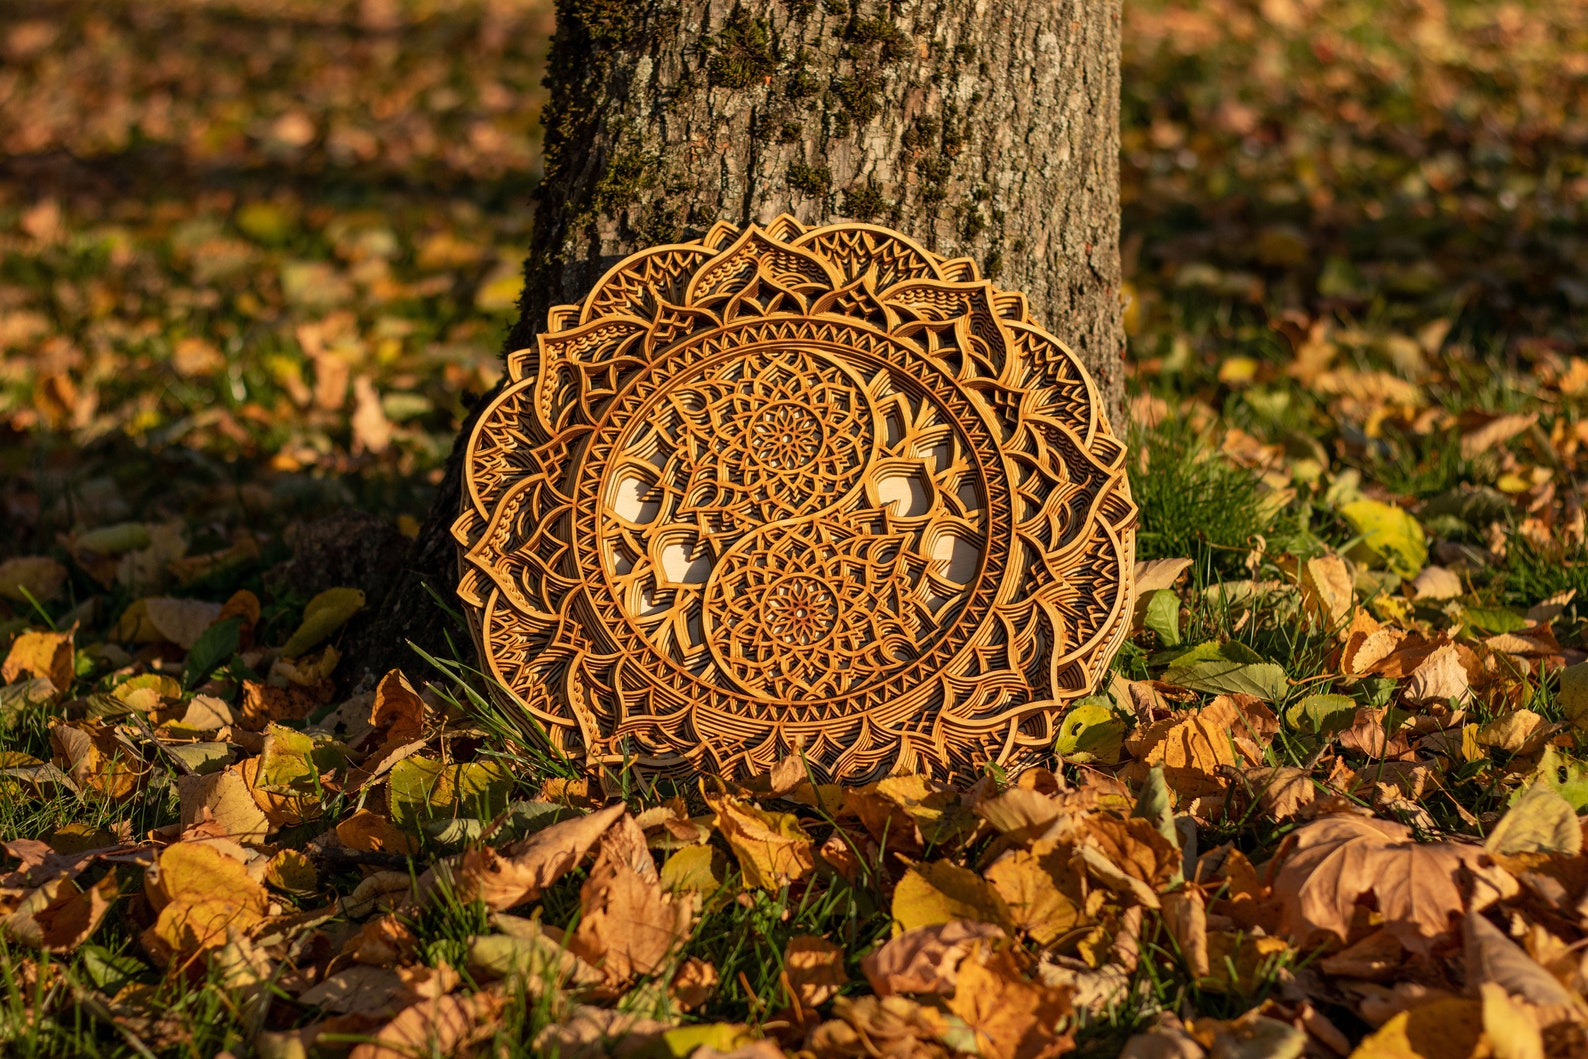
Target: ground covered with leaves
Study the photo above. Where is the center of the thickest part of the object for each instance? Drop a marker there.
(256, 256)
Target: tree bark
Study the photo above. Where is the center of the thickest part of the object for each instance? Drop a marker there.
(984, 128)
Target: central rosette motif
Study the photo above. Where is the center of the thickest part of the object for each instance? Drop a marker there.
(781, 433)
(789, 523)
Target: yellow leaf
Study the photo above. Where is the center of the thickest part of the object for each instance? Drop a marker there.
(200, 894)
(772, 849)
(697, 868)
(223, 798)
(1573, 694)
(943, 891)
(815, 969)
(40, 654)
(291, 872)
(325, 614)
(1031, 887)
(1541, 821)
(1451, 1028)
(1511, 1031)
(1326, 590)
(1388, 533)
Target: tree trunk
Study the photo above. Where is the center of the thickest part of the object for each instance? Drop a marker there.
(984, 128)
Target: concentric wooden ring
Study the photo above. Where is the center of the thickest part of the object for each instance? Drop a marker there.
(793, 488)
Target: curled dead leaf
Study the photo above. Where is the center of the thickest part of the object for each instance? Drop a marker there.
(926, 959)
(1328, 865)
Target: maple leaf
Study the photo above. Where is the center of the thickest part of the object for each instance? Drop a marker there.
(1012, 1018)
(1327, 866)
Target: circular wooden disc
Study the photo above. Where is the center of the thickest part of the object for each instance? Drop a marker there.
(797, 489)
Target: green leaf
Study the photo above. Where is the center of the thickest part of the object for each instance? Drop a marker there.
(423, 789)
(1090, 731)
(1494, 619)
(114, 540)
(1573, 694)
(1322, 714)
(293, 761)
(1540, 820)
(1229, 668)
(325, 614)
(1390, 533)
(215, 645)
(108, 970)
(1163, 616)
(1568, 777)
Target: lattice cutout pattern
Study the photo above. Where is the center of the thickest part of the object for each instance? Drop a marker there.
(797, 488)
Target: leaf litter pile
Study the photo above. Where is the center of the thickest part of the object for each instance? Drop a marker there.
(253, 259)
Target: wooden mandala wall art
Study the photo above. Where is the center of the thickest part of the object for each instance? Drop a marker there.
(789, 488)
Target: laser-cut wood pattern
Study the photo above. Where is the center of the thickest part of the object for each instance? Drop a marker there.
(797, 488)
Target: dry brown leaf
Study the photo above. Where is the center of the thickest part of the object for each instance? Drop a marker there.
(926, 959)
(372, 833)
(92, 755)
(521, 872)
(1520, 732)
(1012, 1018)
(629, 924)
(1491, 957)
(1367, 644)
(1436, 583)
(1185, 914)
(1282, 792)
(894, 1026)
(181, 621)
(1439, 678)
(772, 849)
(376, 991)
(397, 714)
(442, 1026)
(1326, 590)
(1326, 866)
(693, 983)
(1494, 432)
(1129, 856)
(589, 1032)
(225, 799)
(1020, 811)
(40, 654)
(382, 942)
(1155, 574)
(1195, 747)
(815, 969)
(59, 916)
(1041, 890)
(1167, 1040)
